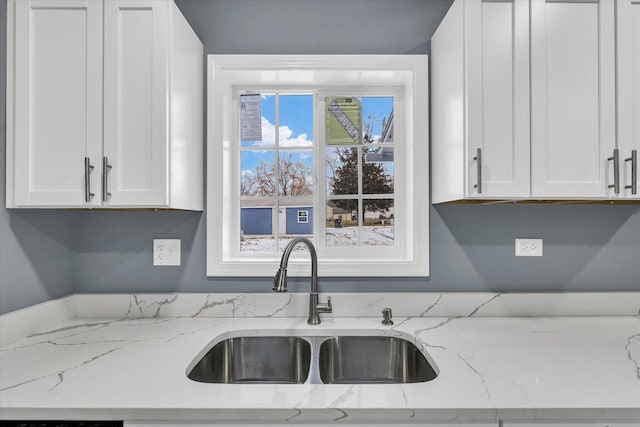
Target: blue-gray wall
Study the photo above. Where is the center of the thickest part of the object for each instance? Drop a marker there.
(36, 248)
(586, 247)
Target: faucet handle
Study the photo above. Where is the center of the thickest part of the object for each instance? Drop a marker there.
(325, 307)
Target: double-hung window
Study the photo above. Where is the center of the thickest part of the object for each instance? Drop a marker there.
(333, 148)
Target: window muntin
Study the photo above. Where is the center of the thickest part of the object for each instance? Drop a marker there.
(406, 74)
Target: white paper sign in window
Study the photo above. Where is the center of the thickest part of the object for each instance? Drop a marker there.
(250, 118)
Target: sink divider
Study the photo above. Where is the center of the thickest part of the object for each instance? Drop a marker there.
(314, 368)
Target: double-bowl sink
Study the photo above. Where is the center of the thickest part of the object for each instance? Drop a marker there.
(327, 359)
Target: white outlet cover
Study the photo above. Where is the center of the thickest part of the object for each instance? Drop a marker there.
(166, 252)
(528, 247)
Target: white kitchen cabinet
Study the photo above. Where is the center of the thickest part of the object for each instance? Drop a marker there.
(572, 98)
(527, 91)
(480, 93)
(136, 37)
(104, 105)
(54, 100)
(628, 78)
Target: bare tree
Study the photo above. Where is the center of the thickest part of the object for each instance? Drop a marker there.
(293, 179)
(332, 161)
(247, 184)
(368, 125)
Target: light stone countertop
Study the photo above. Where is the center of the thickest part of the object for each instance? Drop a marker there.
(490, 368)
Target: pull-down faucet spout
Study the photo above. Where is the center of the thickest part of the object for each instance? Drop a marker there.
(280, 280)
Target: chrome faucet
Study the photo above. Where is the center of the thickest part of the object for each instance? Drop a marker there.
(280, 281)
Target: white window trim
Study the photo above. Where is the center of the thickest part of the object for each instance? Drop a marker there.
(224, 72)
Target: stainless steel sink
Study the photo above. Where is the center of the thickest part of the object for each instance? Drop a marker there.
(372, 360)
(345, 359)
(257, 360)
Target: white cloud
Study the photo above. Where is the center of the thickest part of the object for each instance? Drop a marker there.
(247, 173)
(286, 133)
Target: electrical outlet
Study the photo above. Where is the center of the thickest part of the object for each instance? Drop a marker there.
(528, 247)
(166, 252)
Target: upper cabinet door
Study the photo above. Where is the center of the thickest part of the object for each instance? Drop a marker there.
(628, 68)
(55, 121)
(136, 99)
(572, 98)
(497, 75)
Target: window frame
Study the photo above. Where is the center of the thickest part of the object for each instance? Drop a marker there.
(323, 74)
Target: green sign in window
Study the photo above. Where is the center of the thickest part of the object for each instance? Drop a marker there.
(343, 120)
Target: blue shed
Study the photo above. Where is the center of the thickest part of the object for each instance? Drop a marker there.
(300, 220)
(256, 221)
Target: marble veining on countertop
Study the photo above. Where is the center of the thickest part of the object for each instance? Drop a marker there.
(490, 368)
(410, 304)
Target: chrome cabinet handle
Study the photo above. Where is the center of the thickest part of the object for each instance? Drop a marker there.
(88, 167)
(106, 168)
(478, 158)
(634, 171)
(616, 171)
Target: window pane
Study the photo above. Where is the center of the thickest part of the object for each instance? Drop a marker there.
(296, 121)
(378, 153)
(378, 229)
(295, 221)
(377, 176)
(342, 171)
(377, 117)
(342, 223)
(257, 231)
(296, 173)
(257, 173)
(267, 119)
(285, 240)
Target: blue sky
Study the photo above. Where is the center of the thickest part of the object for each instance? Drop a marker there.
(296, 126)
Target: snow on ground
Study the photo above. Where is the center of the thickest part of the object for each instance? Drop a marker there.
(346, 236)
